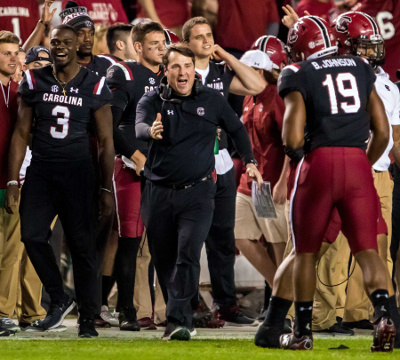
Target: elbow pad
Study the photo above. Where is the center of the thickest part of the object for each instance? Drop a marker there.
(295, 154)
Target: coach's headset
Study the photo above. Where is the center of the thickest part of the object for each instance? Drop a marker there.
(166, 90)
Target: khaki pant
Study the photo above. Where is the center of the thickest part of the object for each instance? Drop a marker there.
(20, 287)
(142, 298)
(331, 270)
(358, 306)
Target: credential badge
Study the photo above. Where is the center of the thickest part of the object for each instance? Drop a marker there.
(200, 111)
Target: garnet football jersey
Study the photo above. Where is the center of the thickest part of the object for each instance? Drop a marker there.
(61, 131)
(387, 16)
(336, 92)
(19, 16)
(128, 81)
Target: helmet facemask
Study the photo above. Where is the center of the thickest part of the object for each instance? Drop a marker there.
(372, 49)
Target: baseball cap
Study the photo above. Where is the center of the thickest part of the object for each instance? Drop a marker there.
(257, 59)
(33, 54)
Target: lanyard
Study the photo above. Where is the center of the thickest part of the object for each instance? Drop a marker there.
(6, 100)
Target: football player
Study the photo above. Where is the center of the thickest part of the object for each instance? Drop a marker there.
(63, 99)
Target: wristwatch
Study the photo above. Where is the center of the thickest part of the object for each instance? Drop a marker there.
(253, 161)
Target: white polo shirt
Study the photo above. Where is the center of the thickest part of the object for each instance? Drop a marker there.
(390, 96)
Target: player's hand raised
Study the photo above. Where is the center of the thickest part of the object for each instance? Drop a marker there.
(11, 199)
(157, 128)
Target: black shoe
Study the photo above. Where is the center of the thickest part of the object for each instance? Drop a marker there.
(6, 333)
(87, 329)
(337, 329)
(234, 317)
(176, 332)
(6, 324)
(362, 324)
(56, 314)
(127, 319)
(268, 336)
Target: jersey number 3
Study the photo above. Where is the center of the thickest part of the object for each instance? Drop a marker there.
(346, 85)
(63, 122)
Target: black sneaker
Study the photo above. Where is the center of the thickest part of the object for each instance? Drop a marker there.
(234, 317)
(362, 324)
(337, 329)
(6, 333)
(6, 324)
(37, 326)
(127, 319)
(87, 329)
(176, 332)
(56, 314)
(268, 336)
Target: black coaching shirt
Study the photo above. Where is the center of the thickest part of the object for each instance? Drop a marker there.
(61, 131)
(336, 91)
(128, 81)
(186, 152)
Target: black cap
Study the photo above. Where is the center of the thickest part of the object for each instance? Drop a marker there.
(33, 54)
(76, 16)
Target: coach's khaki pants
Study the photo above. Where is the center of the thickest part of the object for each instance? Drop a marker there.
(141, 297)
(20, 287)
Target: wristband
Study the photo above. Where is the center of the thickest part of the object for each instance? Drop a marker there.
(253, 161)
(104, 189)
(12, 182)
(45, 25)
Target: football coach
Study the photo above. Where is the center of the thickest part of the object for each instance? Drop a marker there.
(180, 119)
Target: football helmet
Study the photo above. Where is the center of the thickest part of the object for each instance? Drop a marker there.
(170, 38)
(358, 34)
(274, 48)
(311, 37)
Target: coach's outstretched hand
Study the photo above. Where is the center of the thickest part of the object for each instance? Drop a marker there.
(11, 199)
(157, 128)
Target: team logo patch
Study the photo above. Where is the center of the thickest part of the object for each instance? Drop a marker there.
(54, 88)
(152, 81)
(200, 111)
(170, 112)
(342, 23)
(74, 90)
(311, 45)
(110, 73)
(88, 24)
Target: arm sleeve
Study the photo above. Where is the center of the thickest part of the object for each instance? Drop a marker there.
(24, 92)
(229, 121)
(145, 116)
(291, 80)
(104, 97)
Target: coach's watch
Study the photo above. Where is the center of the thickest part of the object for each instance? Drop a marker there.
(253, 161)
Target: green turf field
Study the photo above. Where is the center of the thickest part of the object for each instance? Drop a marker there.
(155, 349)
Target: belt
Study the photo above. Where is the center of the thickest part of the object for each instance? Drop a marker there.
(181, 187)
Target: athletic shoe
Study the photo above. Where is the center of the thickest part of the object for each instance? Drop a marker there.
(108, 317)
(291, 342)
(383, 336)
(207, 319)
(362, 324)
(337, 329)
(56, 314)
(87, 329)
(268, 336)
(100, 323)
(193, 332)
(234, 317)
(6, 333)
(37, 326)
(176, 332)
(147, 323)
(127, 319)
(7, 324)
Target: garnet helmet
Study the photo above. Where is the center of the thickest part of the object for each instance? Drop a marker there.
(311, 37)
(170, 38)
(274, 48)
(358, 34)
